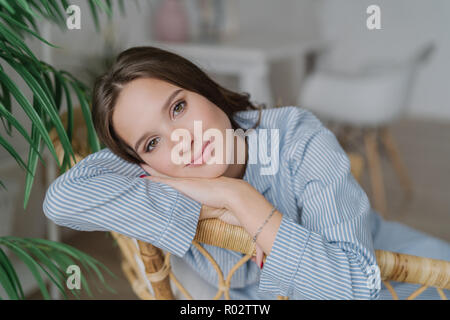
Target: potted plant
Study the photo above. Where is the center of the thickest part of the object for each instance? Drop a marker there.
(49, 88)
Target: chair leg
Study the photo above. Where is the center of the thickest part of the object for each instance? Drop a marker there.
(375, 172)
(397, 162)
(153, 262)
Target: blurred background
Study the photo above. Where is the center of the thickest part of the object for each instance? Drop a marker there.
(378, 77)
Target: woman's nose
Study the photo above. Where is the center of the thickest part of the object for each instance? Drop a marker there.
(187, 147)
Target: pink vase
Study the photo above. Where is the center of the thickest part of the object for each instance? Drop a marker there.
(171, 22)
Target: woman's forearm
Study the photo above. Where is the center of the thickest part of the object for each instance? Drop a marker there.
(104, 193)
(252, 209)
(238, 196)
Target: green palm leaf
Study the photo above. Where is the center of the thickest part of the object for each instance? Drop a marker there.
(49, 87)
(93, 140)
(6, 100)
(32, 265)
(51, 258)
(22, 26)
(58, 93)
(7, 284)
(8, 147)
(29, 110)
(54, 272)
(25, 6)
(94, 14)
(6, 5)
(10, 276)
(87, 262)
(32, 162)
(12, 121)
(15, 41)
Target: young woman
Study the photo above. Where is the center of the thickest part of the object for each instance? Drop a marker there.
(286, 180)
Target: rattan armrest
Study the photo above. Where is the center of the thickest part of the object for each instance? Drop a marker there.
(393, 266)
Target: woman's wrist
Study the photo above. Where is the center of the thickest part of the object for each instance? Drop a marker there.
(204, 212)
(248, 205)
(237, 194)
(252, 209)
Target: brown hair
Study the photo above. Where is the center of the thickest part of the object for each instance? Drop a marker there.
(152, 62)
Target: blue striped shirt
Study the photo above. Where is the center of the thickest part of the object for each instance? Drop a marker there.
(322, 250)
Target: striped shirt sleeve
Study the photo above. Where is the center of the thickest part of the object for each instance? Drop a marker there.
(329, 254)
(104, 193)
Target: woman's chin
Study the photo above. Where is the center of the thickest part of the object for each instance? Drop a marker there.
(207, 170)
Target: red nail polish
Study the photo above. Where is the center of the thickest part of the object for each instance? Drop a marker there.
(142, 176)
(262, 263)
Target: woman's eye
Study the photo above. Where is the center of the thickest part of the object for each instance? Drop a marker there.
(151, 144)
(179, 109)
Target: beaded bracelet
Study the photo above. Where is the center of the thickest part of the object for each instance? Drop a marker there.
(260, 228)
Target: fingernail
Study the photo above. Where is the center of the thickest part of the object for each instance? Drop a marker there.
(262, 263)
(142, 176)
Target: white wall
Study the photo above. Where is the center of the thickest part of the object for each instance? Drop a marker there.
(406, 24)
(271, 18)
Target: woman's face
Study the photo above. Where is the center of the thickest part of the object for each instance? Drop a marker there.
(148, 111)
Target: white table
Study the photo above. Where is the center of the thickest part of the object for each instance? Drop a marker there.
(247, 56)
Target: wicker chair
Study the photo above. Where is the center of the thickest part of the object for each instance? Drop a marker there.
(149, 271)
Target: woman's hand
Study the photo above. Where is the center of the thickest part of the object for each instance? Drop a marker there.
(214, 192)
(223, 214)
(214, 195)
(228, 217)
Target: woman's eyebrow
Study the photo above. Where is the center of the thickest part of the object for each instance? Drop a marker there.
(163, 109)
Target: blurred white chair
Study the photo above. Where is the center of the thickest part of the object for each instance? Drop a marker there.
(366, 103)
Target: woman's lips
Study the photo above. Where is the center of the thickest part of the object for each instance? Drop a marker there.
(199, 159)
